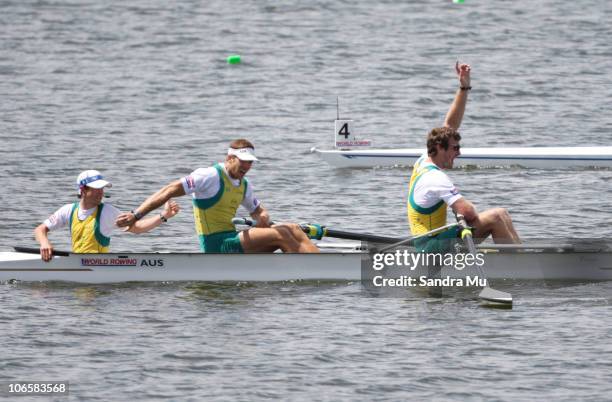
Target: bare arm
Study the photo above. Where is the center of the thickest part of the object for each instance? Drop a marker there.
(467, 209)
(261, 216)
(46, 248)
(174, 189)
(171, 208)
(455, 113)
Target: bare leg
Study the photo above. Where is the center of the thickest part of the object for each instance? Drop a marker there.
(288, 237)
(497, 223)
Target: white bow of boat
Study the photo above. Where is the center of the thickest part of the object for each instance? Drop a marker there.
(532, 157)
(351, 152)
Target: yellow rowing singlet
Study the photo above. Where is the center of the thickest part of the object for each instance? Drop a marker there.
(421, 219)
(86, 235)
(214, 215)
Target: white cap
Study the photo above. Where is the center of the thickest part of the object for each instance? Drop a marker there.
(244, 154)
(93, 179)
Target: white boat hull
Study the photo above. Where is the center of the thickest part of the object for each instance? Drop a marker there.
(535, 157)
(113, 268)
(110, 268)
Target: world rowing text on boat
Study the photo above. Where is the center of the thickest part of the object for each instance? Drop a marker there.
(121, 262)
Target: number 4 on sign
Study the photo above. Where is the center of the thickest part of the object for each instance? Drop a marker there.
(344, 136)
(344, 130)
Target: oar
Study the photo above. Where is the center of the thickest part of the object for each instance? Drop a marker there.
(338, 234)
(410, 240)
(31, 250)
(487, 294)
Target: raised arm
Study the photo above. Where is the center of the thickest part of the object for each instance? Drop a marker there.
(172, 190)
(455, 113)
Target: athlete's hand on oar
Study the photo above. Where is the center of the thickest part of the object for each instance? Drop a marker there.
(46, 251)
(262, 218)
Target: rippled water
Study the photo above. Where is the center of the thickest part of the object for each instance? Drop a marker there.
(142, 92)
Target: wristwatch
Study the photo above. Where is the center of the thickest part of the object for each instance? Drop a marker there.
(137, 215)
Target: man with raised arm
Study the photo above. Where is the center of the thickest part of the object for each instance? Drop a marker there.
(217, 192)
(91, 221)
(431, 190)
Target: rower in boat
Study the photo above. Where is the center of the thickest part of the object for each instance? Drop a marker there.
(90, 220)
(431, 190)
(217, 193)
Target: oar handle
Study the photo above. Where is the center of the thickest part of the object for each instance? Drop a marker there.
(245, 221)
(32, 250)
(466, 234)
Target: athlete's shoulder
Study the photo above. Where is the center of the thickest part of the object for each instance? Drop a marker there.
(65, 210)
(204, 172)
(439, 174)
(198, 178)
(67, 207)
(60, 217)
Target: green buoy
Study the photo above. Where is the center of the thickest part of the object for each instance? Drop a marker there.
(233, 59)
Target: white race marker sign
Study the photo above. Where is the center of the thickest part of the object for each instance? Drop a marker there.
(344, 137)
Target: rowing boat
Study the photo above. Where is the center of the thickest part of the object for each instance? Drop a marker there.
(144, 267)
(533, 157)
(567, 261)
(351, 152)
